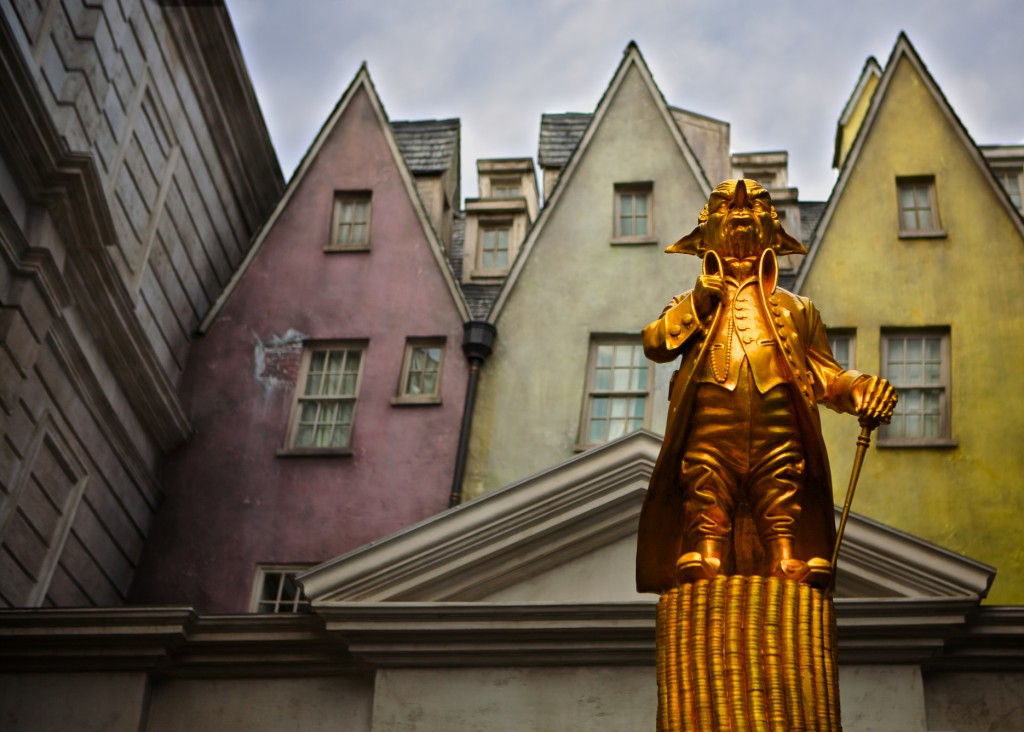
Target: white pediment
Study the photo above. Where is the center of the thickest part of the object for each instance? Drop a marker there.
(568, 534)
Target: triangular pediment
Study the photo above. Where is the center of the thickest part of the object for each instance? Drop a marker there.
(569, 534)
(362, 85)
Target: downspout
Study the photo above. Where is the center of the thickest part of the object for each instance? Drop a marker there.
(477, 343)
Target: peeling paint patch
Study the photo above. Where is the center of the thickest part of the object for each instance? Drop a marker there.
(276, 359)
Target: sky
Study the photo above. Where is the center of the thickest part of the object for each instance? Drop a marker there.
(780, 77)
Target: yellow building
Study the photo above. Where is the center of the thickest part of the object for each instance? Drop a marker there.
(915, 265)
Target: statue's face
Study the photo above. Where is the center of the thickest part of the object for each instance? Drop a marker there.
(741, 221)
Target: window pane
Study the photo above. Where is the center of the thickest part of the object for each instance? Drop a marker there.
(599, 407)
(620, 381)
(924, 219)
(625, 205)
(640, 377)
(915, 349)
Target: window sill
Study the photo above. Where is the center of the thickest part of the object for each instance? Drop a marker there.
(939, 234)
(488, 276)
(633, 241)
(416, 401)
(314, 452)
(940, 444)
(346, 250)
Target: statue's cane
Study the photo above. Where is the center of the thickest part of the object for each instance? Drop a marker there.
(863, 442)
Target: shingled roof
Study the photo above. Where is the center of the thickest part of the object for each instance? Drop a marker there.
(559, 136)
(428, 146)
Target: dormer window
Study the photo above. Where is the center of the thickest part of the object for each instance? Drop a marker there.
(494, 245)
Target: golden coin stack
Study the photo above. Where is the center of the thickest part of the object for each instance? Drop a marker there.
(746, 654)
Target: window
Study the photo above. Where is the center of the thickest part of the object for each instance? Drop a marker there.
(842, 343)
(276, 591)
(633, 211)
(918, 211)
(618, 390)
(325, 401)
(505, 188)
(1010, 180)
(493, 251)
(917, 364)
(350, 227)
(420, 382)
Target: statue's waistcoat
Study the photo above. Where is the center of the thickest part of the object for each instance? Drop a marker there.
(743, 332)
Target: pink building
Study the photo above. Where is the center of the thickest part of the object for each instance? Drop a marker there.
(327, 389)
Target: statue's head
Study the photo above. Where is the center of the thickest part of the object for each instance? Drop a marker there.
(739, 221)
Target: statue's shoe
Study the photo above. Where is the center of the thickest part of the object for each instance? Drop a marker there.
(694, 566)
(816, 572)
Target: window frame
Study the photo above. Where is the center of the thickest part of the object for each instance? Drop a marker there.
(583, 441)
(633, 189)
(308, 349)
(850, 334)
(403, 397)
(944, 439)
(259, 580)
(493, 224)
(917, 181)
(340, 199)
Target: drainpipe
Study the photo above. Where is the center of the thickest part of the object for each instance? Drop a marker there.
(477, 343)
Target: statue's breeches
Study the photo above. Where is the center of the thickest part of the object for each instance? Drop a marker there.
(742, 446)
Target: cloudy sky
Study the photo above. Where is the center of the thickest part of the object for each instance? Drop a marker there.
(779, 76)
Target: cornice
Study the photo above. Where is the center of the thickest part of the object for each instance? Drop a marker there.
(356, 638)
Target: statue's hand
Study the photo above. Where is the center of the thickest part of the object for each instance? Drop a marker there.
(875, 399)
(708, 289)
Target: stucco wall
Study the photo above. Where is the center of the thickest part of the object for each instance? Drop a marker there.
(966, 498)
(232, 500)
(575, 285)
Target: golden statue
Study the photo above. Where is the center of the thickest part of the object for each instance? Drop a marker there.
(737, 530)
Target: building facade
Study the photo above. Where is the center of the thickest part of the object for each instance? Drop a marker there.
(328, 385)
(134, 168)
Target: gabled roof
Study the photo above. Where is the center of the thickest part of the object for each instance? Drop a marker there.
(428, 146)
(362, 81)
(573, 509)
(631, 59)
(902, 50)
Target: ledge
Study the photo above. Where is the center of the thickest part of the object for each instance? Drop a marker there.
(939, 234)
(633, 241)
